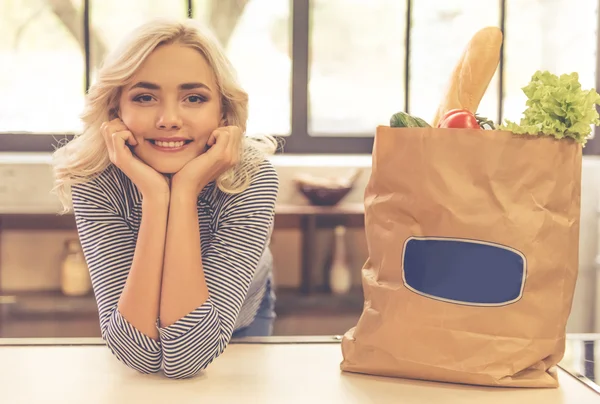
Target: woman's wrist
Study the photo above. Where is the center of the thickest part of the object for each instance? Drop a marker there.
(186, 189)
(156, 200)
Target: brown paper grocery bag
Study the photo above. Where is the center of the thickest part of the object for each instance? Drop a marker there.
(473, 256)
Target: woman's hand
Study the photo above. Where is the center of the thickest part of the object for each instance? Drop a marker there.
(118, 140)
(224, 152)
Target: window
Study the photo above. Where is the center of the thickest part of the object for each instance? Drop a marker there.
(321, 74)
(357, 58)
(41, 66)
(550, 35)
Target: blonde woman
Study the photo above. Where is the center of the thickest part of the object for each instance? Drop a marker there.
(174, 205)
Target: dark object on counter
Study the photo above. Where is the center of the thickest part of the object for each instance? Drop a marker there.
(323, 196)
(325, 191)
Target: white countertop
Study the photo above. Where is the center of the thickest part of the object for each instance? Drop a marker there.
(281, 373)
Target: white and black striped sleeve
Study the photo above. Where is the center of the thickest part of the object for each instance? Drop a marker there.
(108, 245)
(229, 260)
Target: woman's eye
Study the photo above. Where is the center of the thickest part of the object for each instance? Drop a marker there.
(143, 98)
(196, 99)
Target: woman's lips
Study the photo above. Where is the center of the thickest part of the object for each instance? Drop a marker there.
(170, 145)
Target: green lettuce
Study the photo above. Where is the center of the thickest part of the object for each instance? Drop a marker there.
(557, 106)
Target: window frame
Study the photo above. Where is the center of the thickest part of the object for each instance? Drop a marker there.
(299, 141)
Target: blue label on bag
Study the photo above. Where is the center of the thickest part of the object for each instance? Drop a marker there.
(464, 271)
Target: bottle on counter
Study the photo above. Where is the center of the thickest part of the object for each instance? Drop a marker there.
(75, 276)
(340, 277)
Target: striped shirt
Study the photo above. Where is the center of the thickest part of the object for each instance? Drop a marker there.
(235, 230)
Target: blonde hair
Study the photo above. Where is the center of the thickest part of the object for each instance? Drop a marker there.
(86, 155)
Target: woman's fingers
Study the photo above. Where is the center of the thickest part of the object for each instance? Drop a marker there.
(232, 150)
(212, 139)
(121, 150)
(131, 140)
(218, 141)
(117, 137)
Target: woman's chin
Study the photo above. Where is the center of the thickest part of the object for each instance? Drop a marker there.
(166, 164)
(168, 168)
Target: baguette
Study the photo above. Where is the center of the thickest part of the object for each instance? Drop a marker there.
(473, 73)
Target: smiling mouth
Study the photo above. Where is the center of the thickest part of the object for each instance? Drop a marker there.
(170, 144)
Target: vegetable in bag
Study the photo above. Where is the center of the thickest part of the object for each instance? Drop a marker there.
(557, 106)
(404, 120)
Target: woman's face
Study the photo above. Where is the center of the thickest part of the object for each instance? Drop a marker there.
(171, 107)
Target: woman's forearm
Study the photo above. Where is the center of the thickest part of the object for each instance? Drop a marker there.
(183, 286)
(139, 302)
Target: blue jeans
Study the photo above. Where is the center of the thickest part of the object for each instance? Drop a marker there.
(262, 326)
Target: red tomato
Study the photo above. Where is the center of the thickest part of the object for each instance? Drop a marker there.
(459, 118)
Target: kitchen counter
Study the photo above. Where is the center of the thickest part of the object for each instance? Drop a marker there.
(253, 370)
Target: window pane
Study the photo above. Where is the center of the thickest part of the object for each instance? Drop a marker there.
(357, 65)
(560, 37)
(41, 66)
(440, 33)
(112, 20)
(256, 35)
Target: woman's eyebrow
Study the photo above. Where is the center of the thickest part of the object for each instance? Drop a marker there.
(185, 86)
(193, 86)
(146, 85)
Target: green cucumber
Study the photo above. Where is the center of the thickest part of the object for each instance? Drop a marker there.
(404, 120)
(422, 122)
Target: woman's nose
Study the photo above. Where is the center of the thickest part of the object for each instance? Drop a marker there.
(169, 118)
